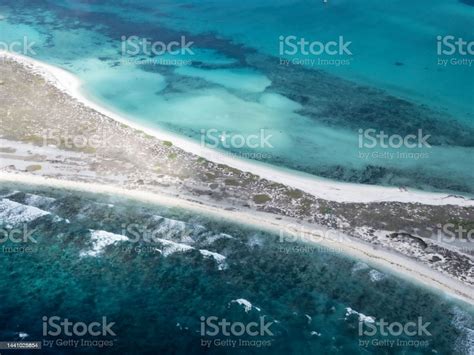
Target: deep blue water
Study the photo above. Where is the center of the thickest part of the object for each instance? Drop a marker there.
(157, 296)
(234, 82)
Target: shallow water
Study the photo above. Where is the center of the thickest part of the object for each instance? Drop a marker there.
(234, 82)
(153, 281)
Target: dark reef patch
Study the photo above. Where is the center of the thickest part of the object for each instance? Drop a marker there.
(467, 2)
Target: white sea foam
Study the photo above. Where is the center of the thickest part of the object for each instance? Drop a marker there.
(100, 240)
(244, 303)
(213, 238)
(38, 200)
(255, 240)
(219, 258)
(362, 317)
(169, 247)
(359, 266)
(376, 276)
(13, 213)
(172, 229)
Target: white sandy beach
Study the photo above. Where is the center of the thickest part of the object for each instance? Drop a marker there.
(377, 257)
(319, 187)
(380, 257)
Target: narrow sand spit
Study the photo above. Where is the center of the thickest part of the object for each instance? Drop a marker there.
(321, 188)
(378, 257)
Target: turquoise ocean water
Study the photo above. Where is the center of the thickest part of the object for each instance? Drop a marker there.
(159, 290)
(236, 80)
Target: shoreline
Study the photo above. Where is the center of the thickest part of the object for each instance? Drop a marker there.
(316, 186)
(148, 171)
(396, 264)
